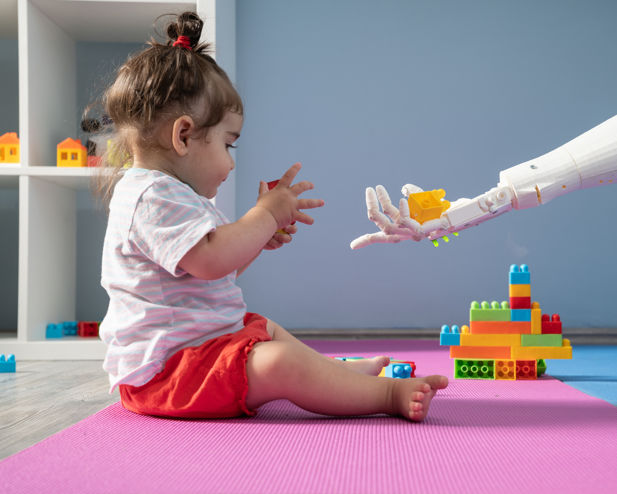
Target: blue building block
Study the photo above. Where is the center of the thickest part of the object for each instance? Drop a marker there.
(519, 275)
(450, 337)
(69, 328)
(7, 364)
(53, 331)
(400, 371)
(520, 314)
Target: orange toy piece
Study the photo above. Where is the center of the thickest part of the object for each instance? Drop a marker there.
(71, 152)
(428, 205)
(9, 148)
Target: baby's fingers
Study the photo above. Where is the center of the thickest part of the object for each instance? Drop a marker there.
(304, 218)
(310, 203)
(289, 175)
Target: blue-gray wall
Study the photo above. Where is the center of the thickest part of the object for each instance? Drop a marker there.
(443, 94)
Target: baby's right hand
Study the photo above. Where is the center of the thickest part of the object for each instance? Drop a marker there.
(282, 201)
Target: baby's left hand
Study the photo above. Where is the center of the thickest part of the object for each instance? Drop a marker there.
(281, 237)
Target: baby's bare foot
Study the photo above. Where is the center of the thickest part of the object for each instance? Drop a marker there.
(370, 366)
(411, 398)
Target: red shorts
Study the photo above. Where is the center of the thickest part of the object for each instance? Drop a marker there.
(207, 381)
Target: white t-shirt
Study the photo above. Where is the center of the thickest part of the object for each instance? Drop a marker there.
(156, 308)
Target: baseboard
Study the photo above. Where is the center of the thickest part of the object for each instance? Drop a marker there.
(577, 336)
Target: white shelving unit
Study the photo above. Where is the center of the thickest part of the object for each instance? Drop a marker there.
(47, 35)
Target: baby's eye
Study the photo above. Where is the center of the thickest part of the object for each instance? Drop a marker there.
(230, 146)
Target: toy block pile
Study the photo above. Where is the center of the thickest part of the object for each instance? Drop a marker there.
(85, 329)
(399, 369)
(508, 340)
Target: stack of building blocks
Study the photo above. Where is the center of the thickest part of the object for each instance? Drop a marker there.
(85, 329)
(7, 364)
(507, 340)
(9, 148)
(398, 369)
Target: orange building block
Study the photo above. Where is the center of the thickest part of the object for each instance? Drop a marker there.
(480, 352)
(9, 148)
(428, 205)
(505, 369)
(500, 327)
(71, 152)
(490, 340)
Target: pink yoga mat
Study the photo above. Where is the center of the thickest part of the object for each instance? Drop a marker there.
(481, 436)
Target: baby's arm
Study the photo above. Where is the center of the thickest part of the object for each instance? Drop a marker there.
(233, 246)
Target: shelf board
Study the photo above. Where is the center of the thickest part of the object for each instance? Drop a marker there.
(67, 348)
(74, 178)
(110, 20)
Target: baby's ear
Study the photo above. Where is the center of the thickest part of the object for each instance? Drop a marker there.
(182, 130)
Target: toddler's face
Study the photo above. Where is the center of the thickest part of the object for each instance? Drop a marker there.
(211, 162)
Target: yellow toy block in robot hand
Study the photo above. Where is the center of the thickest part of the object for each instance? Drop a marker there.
(428, 205)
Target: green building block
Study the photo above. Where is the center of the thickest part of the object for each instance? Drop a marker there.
(489, 312)
(540, 367)
(541, 340)
(474, 369)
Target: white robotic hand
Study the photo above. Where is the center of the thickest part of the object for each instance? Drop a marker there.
(589, 160)
(395, 224)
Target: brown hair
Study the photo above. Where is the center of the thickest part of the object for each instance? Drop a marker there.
(163, 81)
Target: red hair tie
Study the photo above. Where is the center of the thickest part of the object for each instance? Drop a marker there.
(183, 41)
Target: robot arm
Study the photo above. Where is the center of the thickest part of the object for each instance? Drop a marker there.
(587, 161)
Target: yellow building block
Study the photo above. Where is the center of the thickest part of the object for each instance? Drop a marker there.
(542, 352)
(428, 205)
(500, 327)
(490, 340)
(536, 318)
(9, 148)
(520, 290)
(71, 152)
(480, 352)
(505, 370)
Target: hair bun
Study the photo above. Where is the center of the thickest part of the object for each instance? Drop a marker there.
(187, 24)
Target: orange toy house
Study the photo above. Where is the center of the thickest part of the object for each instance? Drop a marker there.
(9, 148)
(71, 152)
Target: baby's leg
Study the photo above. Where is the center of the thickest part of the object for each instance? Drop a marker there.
(371, 366)
(283, 369)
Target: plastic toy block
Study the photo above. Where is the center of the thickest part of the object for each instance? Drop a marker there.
(9, 148)
(505, 370)
(500, 327)
(7, 364)
(481, 352)
(69, 328)
(71, 152)
(407, 362)
(490, 340)
(399, 370)
(541, 340)
(542, 352)
(519, 275)
(519, 291)
(428, 205)
(489, 312)
(551, 325)
(541, 367)
(526, 369)
(450, 336)
(520, 302)
(87, 329)
(54, 331)
(474, 369)
(536, 318)
(520, 314)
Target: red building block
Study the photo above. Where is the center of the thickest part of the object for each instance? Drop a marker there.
(551, 325)
(526, 369)
(520, 302)
(87, 328)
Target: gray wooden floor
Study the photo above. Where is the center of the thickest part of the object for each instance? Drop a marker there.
(44, 397)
